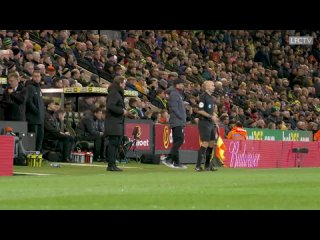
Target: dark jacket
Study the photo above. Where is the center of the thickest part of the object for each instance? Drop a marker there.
(34, 105)
(114, 124)
(51, 125)
(14, 104)
(85, 107)
(177, 109)
(88, 126)
(159, 103)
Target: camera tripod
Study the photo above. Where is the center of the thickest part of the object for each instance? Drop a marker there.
(131, 146)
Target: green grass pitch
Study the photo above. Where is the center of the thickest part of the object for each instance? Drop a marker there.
(156, 187)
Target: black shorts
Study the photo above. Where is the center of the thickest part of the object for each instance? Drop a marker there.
(206, 131)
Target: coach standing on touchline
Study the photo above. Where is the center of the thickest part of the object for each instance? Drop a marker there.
(177, 122)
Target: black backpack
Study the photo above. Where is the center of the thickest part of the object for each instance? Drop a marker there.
(20, 160)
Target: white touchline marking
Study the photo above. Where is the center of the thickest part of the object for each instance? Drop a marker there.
(92, 165)
(37, 174)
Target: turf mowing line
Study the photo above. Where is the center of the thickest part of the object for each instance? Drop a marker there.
(93, 165)
(36, 174)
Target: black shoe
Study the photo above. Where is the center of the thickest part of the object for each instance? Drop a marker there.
(179, 165)
(198, 169)
(114, 168)
(211, 169)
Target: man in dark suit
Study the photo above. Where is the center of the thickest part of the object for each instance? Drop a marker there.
(88, 130)
(114, 124)
(13, 101)
(35, 108)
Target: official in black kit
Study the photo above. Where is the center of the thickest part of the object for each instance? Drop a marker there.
(206, 126)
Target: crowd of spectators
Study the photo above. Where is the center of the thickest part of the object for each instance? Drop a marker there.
(260, 80)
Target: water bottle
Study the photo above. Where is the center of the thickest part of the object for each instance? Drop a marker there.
(55, 165)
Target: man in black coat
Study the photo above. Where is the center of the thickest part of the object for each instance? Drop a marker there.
(114, 124)
(13, 101)
(35, 108)
(54, 132)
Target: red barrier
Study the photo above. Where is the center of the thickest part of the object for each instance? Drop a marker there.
(245, 154)
(163, 138)
(242, 154)
(6, 155)
(145, 141)
(269, 154)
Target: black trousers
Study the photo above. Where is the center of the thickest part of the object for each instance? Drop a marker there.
(60, 142)
(113, 149)
(104, 146)
(178, 139)
(38, 129)
(67, 143)
(98, 144)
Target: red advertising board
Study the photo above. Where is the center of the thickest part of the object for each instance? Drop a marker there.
(239, 154)
(246, 154)
(6, 155)
(270, 154)
(251, 154)
(163, 138)
(145, 141)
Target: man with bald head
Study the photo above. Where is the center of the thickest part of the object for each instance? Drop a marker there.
(207, 123)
